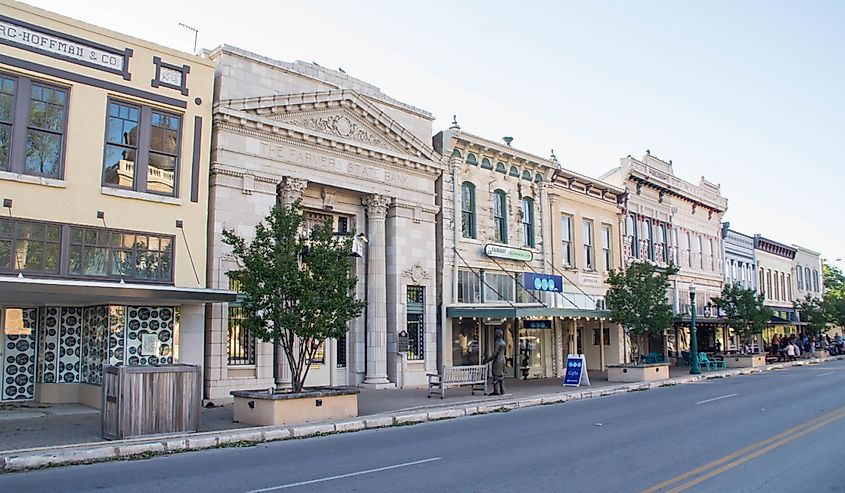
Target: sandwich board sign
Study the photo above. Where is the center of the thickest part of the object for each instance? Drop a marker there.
(576, 371)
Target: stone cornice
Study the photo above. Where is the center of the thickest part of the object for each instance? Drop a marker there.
(474, 143)
(265, 128)
(295, 104)
(640, 172)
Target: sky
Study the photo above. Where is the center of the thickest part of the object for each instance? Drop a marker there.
(748, 94)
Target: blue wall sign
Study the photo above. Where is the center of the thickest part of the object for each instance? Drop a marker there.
(576, 371)
(536, 324)
(543, 282)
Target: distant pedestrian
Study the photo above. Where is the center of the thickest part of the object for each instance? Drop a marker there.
(790, 351)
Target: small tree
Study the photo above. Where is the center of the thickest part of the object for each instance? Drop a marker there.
(743, 310)
(638, 301)
(298, 284)
(814, 315)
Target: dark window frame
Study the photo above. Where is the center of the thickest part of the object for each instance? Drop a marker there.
(64, 254)
(246, 355)
(528, 237)
(144, 148)
(415, 322)
(500, 222)
(20, 125)
(468, 216)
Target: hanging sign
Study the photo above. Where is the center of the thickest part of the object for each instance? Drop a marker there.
(509, 253)
(576, 371)
(543, 282)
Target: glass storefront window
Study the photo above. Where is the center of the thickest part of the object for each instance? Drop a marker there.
(531, 353)
(466, 342)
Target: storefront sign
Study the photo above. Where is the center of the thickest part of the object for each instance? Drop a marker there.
(536, 324)
(509, 253)
(576, 371)
(30, 37)
(543, 282)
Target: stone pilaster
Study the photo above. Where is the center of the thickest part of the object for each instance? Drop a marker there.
(376, 206)
(288, 191)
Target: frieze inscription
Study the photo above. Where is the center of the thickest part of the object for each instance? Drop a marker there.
(311, 159)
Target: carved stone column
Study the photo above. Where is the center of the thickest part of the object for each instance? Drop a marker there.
(288, 191)
(376, 206)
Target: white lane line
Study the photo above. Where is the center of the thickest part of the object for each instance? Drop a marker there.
(716, 398)
(341, 476)
(823, 374)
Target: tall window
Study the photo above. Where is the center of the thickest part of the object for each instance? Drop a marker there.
(606, 237)
(498, 287)
(701, 252)
(808, 279)
(675, 246)
(661, 240)
(799, 273)
(769, 292)
(762, 281)
(33, 119)
(468, 210)
(528, 222)
(689, 249)
(240, 343)
(782, 287)
(142, 149)
(631, 232)
(816, 287)
(566, 239)
(500, 222)
(710, 253)
(416, 322)
(589, 261)
(648, 237)
(788, 287)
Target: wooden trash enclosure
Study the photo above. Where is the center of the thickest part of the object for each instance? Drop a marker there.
(149, 400)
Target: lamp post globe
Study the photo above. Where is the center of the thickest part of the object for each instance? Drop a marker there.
(695, 366)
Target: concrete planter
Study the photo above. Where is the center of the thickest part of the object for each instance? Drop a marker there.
(638, 373)
(745, 361)
(261, 408)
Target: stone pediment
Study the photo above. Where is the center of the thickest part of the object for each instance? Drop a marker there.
(339, 124)
(341, 116)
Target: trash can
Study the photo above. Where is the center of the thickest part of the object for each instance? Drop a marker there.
(150, 400)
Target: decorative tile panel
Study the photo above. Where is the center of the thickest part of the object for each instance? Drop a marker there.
(19, 360)
(94, 343)
(48, 342)
(145, 321)
(70, 338)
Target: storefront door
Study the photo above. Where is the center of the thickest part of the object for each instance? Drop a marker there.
(18, 353)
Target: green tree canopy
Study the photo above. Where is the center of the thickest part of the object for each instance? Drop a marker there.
(743, 310)
(814, 314)
(638, 299)
(298, 284)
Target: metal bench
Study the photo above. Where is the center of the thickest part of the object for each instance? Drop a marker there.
(457, 376)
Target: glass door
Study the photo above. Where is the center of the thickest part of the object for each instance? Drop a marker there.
(531, 357)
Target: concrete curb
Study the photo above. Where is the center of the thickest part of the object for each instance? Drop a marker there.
(20, 460)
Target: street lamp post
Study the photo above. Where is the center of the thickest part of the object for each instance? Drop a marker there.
(695, 367)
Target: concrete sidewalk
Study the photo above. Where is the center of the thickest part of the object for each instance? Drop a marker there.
(73, 437)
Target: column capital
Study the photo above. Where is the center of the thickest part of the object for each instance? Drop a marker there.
(290, 189)
(376, 205)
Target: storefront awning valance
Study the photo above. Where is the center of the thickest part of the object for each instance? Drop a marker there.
(506, 311)
(30, 291)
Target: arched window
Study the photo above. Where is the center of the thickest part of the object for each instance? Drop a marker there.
(649, 238)
(775, 291)
(472, 160)
(468, 210)
(788, 287)
(808, 280)
(675, 246)
(689, 249)
(514, 171)
(500, 221)
(712, 255)
(528, 222)
(538, 178)
(631, 233)
(526, 175)
(799, 272)
(816, 287)
(661, 240)
(761, 279)
(782, 287)
(500, 167)
(456, 153)
(486, 164)
(701, 252)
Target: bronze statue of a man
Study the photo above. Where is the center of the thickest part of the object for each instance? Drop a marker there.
(499, 362)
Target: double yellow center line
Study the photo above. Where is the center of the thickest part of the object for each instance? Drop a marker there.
(691, 478)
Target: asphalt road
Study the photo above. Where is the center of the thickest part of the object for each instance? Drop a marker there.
(776, 431)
